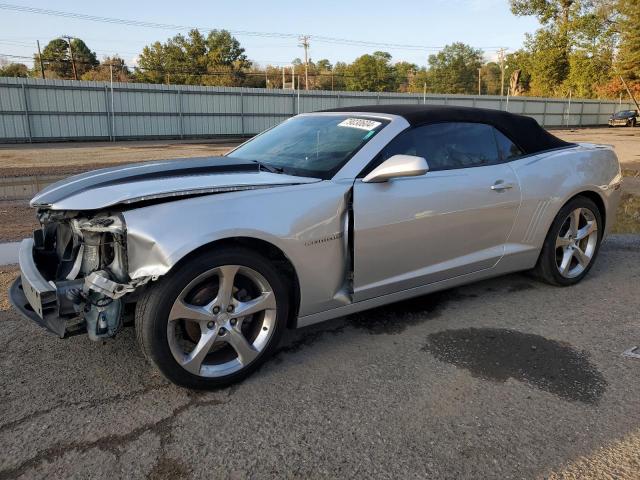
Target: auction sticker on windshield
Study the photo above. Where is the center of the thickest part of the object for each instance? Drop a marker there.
(361, 123)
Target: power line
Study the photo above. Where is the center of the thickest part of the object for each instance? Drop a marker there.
(166, 26)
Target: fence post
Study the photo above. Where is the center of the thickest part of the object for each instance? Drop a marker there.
(338, 98)
(26, 113)
(180, 122)
(106, 110)
(242, 112)
(599, 108)
(293, 103)
(544, 114)
(581, 113)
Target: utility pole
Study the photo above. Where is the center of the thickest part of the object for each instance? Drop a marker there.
(73, 61)
(501, 53)
(304, 43)
(479, 81)
(113, 115)
(40, 58)
(630, 94)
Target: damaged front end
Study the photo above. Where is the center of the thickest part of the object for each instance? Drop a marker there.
(74, 276)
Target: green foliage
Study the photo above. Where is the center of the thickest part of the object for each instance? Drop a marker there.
(454, 69)
(546, 10)
(57, 59)
(520, 60)
(491, 79)
(14, 70)
(573, 50)
(372, 73)
(404, 73)
(628, 63)
(217, 59)
(110, 65)
(549, 63)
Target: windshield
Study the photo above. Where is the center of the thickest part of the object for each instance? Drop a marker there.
(625, 113)
(311, 146)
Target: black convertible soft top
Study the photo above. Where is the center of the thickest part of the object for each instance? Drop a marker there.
(523, 131)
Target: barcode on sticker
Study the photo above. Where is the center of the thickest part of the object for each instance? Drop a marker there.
(361, 123)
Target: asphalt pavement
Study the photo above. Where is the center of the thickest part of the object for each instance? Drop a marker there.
(506, 378)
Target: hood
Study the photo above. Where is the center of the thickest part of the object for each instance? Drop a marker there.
(139, 182)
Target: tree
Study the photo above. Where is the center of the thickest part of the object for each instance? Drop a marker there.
(454, 69)
(403, 75)
(491, 78)
(557, 11)
(628, 61)
(574, 48)
(372, 73)
(325, 79)
(13, 70)
(103, 72)
(217, 59)
(520, 60)
(549, 63)
(57, 59)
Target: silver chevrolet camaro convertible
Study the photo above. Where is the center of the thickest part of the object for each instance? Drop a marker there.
(324, 215)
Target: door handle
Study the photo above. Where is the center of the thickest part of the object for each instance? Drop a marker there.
(501, 187)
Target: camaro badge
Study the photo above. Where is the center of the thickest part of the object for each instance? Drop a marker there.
(335, 236)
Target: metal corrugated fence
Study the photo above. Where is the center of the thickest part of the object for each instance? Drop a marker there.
(34, 110)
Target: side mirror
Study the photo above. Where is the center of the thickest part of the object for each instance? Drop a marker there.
(397, 166)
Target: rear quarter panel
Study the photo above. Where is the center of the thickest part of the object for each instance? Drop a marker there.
(551, 179)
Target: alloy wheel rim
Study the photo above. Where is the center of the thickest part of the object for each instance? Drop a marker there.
(221, 321)
(576, 242)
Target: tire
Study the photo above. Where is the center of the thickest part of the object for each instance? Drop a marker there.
(633, 122)
(562, 243)
(186, 323)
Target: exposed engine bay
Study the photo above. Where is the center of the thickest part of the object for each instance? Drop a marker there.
(84, 258)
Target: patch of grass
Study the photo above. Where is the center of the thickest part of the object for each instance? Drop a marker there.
(628, 215)
(7, 275)
(630, 172)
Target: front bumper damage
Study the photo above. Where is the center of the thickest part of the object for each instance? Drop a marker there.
(69, 307)
(37, 299)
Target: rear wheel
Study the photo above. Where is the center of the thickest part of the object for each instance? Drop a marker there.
(572, 243)
(215, 319)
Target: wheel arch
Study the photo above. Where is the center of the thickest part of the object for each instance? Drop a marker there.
(596, 198)
(266, 249)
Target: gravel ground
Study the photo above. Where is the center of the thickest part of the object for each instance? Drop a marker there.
(17, 220)
(625, 141)
(71, 158)
(506, 378)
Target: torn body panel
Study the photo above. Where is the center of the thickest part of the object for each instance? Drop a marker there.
(74, 273)
(305, 222)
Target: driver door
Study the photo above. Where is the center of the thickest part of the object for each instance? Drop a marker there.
(452, 221)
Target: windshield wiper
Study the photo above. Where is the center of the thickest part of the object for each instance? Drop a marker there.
(269, 168)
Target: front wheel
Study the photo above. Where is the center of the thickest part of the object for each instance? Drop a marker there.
(571, 246)
(213, 320)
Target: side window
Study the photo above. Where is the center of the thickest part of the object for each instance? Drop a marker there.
(508, 149)
(447, 146)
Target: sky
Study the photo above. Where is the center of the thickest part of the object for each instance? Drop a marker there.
(429, 24)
